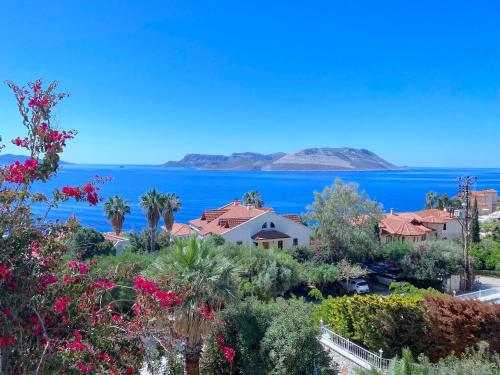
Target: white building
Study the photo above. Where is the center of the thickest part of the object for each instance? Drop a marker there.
(248, 225)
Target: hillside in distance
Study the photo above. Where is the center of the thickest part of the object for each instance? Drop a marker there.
(7, 159)
(309, 159)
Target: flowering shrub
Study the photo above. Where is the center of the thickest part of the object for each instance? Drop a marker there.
(58, 316)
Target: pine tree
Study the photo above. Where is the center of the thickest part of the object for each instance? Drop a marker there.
(475, 224)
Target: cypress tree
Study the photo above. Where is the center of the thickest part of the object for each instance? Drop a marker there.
(475, 224)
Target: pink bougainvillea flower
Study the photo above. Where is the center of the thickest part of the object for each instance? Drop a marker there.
(61, 303)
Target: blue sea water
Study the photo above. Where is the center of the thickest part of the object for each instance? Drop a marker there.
(287, 192)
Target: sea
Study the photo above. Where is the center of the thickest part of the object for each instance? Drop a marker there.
(286, 192)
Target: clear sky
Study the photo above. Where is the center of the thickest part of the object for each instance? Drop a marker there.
(415, 81)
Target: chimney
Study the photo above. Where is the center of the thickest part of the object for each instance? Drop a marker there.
(392, 211)
(236, 201)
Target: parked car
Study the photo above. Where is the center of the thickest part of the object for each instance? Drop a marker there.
(388, 279)
(358, 285)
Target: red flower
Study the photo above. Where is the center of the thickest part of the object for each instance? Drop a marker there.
(229, 353)
(71, 192)
(105, 284)
(206, 312)
(83, 367)
(74, 265)
(6, 340)
(61, 304)
(146, 286)
(47, 280)
(20, 173)
(116, 318)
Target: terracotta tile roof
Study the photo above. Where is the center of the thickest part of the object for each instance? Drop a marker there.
(293, 217)
(395, 224)
(114, 238)
(269, 235)
(484, 192)
(434, 216)
(182, 230)
(229, 216)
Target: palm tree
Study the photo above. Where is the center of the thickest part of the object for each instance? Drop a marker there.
(115, 209)
(151, 204)
(430, 199)
(443, 202)
(253, 198)
(171, 203)
(209, 280)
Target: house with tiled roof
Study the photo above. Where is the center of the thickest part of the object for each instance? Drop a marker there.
(419, 226)
(486, 201)
(180, 230)
(249, 225)
(119, 241)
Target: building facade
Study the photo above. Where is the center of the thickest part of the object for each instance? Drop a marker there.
(431, 224)
(248, 225)
(486, 201)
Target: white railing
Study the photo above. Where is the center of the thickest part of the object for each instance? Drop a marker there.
(484, 294)
(373, 360)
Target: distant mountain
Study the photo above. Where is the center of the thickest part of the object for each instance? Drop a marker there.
(6, 159)
(309, 159)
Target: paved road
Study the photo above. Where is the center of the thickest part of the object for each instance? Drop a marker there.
(487, 282)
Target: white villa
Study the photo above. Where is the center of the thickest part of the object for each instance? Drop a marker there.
(246, 224)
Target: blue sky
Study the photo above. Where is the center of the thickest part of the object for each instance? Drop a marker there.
(415, 82)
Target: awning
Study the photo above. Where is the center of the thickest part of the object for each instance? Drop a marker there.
(269, 235)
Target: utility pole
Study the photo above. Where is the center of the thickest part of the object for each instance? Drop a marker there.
(465, 185)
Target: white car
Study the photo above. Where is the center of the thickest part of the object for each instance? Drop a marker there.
(388, 279)
(359, 286)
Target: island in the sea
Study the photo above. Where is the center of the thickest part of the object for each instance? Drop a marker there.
(309, 159)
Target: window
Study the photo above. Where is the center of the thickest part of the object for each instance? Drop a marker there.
(272, 225)
(444, 226)
(280, 244)
(295, 241)
(239, 242)
(265, 245)
(424, 237)
(402, 239)
(256, 244)
(264, 226)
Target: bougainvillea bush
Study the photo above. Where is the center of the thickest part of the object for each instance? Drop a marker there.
(60, 316)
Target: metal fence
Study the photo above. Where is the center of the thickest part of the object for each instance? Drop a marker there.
(374, 360)
(492, 294)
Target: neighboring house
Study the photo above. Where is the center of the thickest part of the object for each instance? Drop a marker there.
(245, 224)
(180, 230)
(419, 226)
(119, 242)
(486, 201)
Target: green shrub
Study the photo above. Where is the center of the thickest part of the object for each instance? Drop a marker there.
(486, 255)
(265, 273)
(378, 322)
(433, 260)
(269, 338)
(86, 243)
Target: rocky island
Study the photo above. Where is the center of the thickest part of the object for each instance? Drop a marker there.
(309, 159)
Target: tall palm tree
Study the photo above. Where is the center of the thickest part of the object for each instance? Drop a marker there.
(115, 209)
(253, 198)
(151, 204)
(209, 280)
(171, 203)
(430, 199)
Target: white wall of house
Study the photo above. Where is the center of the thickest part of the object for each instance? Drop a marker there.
(453, 230)
(244, 232)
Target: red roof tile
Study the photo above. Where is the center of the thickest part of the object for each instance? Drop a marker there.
(405, 225)
(229, 216)
(293, 217)
(182, 230)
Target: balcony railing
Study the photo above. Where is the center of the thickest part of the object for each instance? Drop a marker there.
(372, 360)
